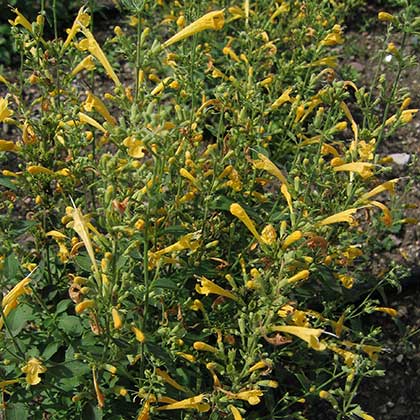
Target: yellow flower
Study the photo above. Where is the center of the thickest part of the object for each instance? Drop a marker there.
(140, 337)
(252, 396)
(385, 17)
(33, 369)
(201, 346)
(85, 119)
(208, 287)
(269, 235)
(330, 61)
(310, 335)
(346, 280)
(241, 214)
(99, 396)
(334, 37)
(93, 102)
(5, 112)
(390, 311)
(371, 351)
(10, 301)
(189, 403)
(386, 218)
(86, 304)
(235, 412)
(343, 216)
(81, 225)
(93, 47)
(291, 239)
(87, 63)
(20, 20)
(58, 236)
(302, 275)
(364, 169)
(82, 18)
(3, 80)
(405, 117)
(284, 97)
(188, 241)
(212, 20)
(348, 356)
(191, 358)
(164, 375)
(267, 165)
(283, 8)
(8, 146)
(116, 318)
(262, 364)
(135, 147)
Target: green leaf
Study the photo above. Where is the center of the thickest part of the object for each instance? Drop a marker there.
(50, 350)
(17, 411)
(6, 182)
(71, 325)
(90, 412)
(62, 306)
(17, 319)
(164, 283)
(11, 267)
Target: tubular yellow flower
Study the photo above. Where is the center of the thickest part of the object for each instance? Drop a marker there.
(93, 102)
(36, 170)
(235, 412)
(10, 301)
(346, 280)
(189, 403)
(145, 411)
(310, 335)
(334, 37)
(302, 275)
(93, 47)
(20, 20)
(99, 396)
(165, 376)
(87, 63)
(269, 235)
(283, 8)
(201, 346)
(189, 357)
(364, 169)
(135, 147)
(188, 241)
(8, 146)
(285, 97)
(267, 165)
(386, 186)
(208, 287)
(262, 364)
(285, 191)
(390, 311)
(343, 216)
(330, 61)
(3, 80)
(241, 214)
(81, 225)
(348, 356)
(58, 236)
(5, 112)
(385, 17)
(159, 88)
(140, 337)
(86, 304)
(82, 18)
(213, 20)
(387, 217)
(405, 117)
(33, 369)
(185, 174)
(116, 318)
(85, 119)
(291, 239)
(252, 396)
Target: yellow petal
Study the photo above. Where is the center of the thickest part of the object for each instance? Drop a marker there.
(8, 146)
(85, 119)
(343, 216)
(192, 402)
(241, 214)
(235, 412)
(93, 102)
(266, 164)
(140, 337)
(212, 20)
(386, 186)
(310, 335)
(165, 376)
(208, 287)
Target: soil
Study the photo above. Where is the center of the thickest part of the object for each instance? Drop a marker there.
(395, 395)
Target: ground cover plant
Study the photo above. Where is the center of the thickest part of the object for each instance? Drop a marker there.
(190, 211)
